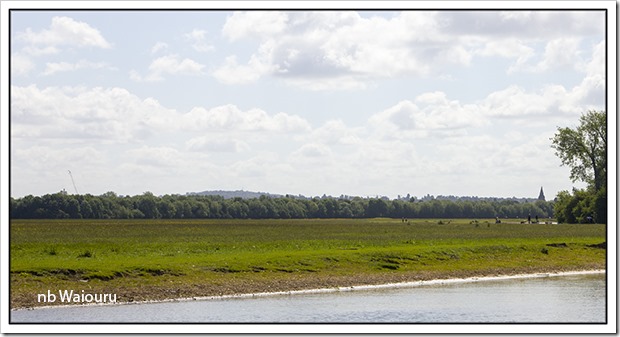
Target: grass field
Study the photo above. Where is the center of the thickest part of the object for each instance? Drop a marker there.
(159, 259)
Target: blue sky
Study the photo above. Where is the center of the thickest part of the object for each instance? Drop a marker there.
(299, 102)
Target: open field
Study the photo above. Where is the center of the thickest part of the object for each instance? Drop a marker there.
(160, 259)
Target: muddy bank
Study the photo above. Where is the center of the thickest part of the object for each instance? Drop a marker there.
(173, 291)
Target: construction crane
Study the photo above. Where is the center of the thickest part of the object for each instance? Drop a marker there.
(72, 181)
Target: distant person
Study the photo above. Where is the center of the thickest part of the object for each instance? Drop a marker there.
(529, 218)
(537, 219)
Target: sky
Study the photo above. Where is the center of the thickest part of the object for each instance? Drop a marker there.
(311, 102)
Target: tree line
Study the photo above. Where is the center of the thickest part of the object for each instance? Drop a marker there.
(148, 206)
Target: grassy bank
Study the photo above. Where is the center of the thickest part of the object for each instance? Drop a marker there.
(158, 259)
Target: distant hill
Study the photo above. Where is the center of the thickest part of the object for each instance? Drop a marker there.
(237, 194)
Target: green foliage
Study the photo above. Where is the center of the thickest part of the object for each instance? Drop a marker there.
(582, 206)
(149, 206)
(584, 150)
(600, 206)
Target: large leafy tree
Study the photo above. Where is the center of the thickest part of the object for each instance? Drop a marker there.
(584, 149)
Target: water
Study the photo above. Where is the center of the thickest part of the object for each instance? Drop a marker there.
(556, 299)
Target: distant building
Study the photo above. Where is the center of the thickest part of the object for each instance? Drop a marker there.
(541, 195)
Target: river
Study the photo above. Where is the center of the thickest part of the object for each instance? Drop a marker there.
(578, 298)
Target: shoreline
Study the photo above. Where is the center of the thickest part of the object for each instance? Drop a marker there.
(337, 289)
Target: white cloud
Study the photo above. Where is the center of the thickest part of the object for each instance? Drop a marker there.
(159, 46)
(168, 65)
(55, 67)
(172, 65)
(233, 73)
(511, 159)
(63, 34)
(511, 48)
(346, 82)
(534, 25)
(345, 51)
(156, 156)
(21, 64)
(81, 114)
(313, 150)
(54, 158)
(63, 31)
(39, 51)
(252, 168)
(198, 39)
(116, 115)
(553, 101)
(322, 50)
(596, 66)
(135, 76)
(590, 93)
(430, 113)
(259, 64)
(336, 132)
(230, 117)
(266, 165)
(559, 53)
(219, 143)
(328, 50)
(254, 23)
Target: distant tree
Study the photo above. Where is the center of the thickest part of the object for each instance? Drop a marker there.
(331, 207)
(344, 210)
(377, 208)
(257, 209)
(425, 210)
(296, 209)
(399, 208)
(147, 204)
(199, 208)
(166, 208)
(358, 207)
(72, 207)
(484, 209)
(453, 210)
(468, 209)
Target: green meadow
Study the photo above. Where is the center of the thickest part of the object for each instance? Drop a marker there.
(161, 259)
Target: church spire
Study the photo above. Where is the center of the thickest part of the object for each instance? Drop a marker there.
(541, 195)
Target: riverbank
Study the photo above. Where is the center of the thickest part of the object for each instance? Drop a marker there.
(332, 284)
(567, 298)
